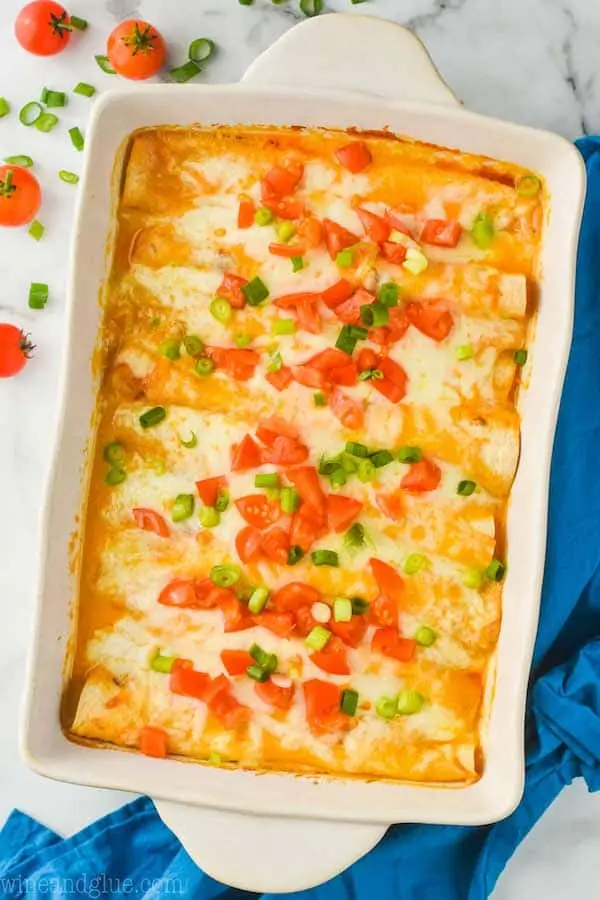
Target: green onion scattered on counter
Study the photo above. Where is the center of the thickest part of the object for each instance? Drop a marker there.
(46, 122)
(388, 294)
(311, 7)
(114, 453)
(171, 349)
(466, 488)
(225, 576)
(68, 177)
(53, 98)
(317, 638)
(25, 162)
(30, 113)
(295, 554)
(105, 64)
(409, 702)
(410, 454)
(204, 366)
(209, 517)
(191, 443)
(349, 702)
(183, 507)
(76, 138)
(325, 558)
(186, 72)
(38, 295)
(153, 416)
(258, 600)
(36, 230)
(201, 49)
(84, 89)
(4, 107)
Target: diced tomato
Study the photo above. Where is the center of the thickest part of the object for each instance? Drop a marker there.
(383, 611)
(389, 642)
(179, 592)
(322, 699)
(354, 156)
(246, 214)
(273, 426)
(346, 376)
(393, 392)
(229, 711)
(285, 452)
(337, 293)
(284, 207)
(342, 511)
(257, 510)
(349, 310)
(274, 695)
(275, 545)
(287, 251)
(397, 218)
(239, 363)
(245, 455)
(392, 505)
(422, 476)
(208, 489)
(282, 180)
(306, 480)
(394, 372)
(189, 682)
(310, 231)
(307, 526)
(280, 380)
(153, 742)
(247, 543)
(351, 632)
(431, 317)
(332, 658)
(301, 298)
(181, 663)
(389, 582)
(394, 253)
(280, 623)
(367, 359)
(331, 358)
(235, 614)
(236, 661)
(207, 593)
(375, 226)
(309, 377)
(337, 238)
(441, 233)
(346, 409)
(294, 595)
(214, 687)
(304, 621)
(231, 289)
(309, 319)
(395, 329)
(149, 520)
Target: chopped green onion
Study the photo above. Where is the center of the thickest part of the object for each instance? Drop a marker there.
(311, 7)
(25, 162)
(255, 291)
(374, 314)
(409, 702)
(381, 458)
(319, 398)
(201, 49)
(171, 348)
(357, 332)
(204, 366)
(222, 501)
(290, 500)
(53, 99)
(105, 64)
(267, 661)
(495, 571)
(465, 488)
(46, 122)
(414, 563)
(317, 638)
(275, 362)
(273, 493)
(520, 357)
(359, 605)
(528, 186)
(30, 113)
(483, 231)
(297, 263)
(193, 345)
(69, 177)
(162, 663)
(338, 477)
(209, 517)
(84, 89)
(214, 759)
(366, 470)
(115, 476)
(258, 600)
(76, 138)
(370, 375)
(386, 707)
(256, 673)
(425, 636)
(349, 702)
(221, 310)
(344, 259)
(342, 609)
(181, 74)
(464, 351)
(38, 295)
(356, 449)
(410, 454)
(79, 24)
(36, 230)
(285, 231)
(325, 558)
(346, 341)
(4, 107)
(328, 464)
(114, 453)
(267, 480)
(473, 578)
(245, 2)
(295, 554)
(225, 576)
(183, 507)
(355, 537)
(153, 416)
(191, 443)
(349, 463)
(263, 216)
(284, 326)
(159, 466)
(242, 339)
(388, 294)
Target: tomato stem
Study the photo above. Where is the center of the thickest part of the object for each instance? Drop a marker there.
(25, 345)
(141, 41)
(59, 24)
(7, 187)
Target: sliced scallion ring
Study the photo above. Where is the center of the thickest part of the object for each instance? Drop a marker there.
(76, 138)
(4, 107)
(36, 230)
(153, 416)
(52, 98)
(46, 122)
(115, 476)
(311, 7)
(201, 49)
(114, 453)
(105, 64)
(25, 162)
(186, 72)
(69, 177)
(528, 186)
(225, 576)
(191, 443)
(38, 295)
(30, 113)
(84, 89)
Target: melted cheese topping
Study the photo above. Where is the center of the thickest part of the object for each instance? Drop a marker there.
(178, 237)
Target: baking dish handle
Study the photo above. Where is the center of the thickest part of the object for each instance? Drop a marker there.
(349, 52)
(261, 853)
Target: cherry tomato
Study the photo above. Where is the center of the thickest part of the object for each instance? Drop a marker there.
(20, 196)
(15, 350)
(43, 28)
(136, 49)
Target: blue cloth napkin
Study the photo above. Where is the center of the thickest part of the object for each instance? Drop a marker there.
(132, 853)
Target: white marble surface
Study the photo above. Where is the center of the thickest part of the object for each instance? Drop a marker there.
(533, 61)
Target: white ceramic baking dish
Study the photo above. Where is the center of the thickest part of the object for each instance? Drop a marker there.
(306, 79)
